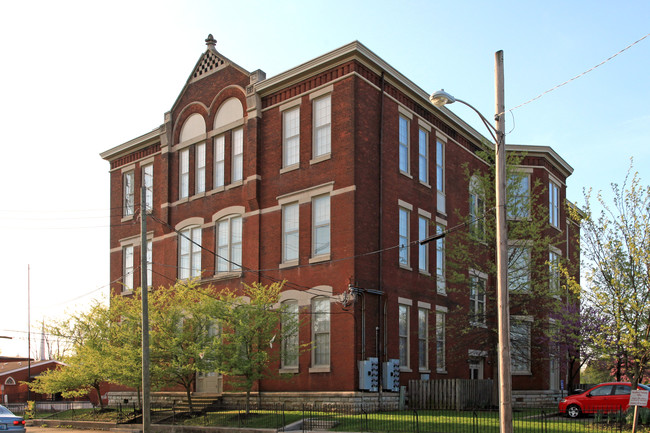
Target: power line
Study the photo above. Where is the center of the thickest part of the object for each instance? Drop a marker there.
(579, 75)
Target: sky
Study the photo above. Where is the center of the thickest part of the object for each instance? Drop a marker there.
(81, 77)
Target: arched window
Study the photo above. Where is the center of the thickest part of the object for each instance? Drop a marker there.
(10, 381)
(290, 334)
(320, 326)
(228, 123)
(189, 253)
(229, 243)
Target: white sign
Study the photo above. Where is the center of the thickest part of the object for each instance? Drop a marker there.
(639, 398)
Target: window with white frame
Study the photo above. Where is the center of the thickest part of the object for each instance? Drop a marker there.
(520, 344)
(149, 263)
(554, 272)
(477, 285)
(423, 156)
(518, 196)
(423, 338)
(184, 173)
(321, 225)
(440, 176)
(289, 330)
(476, 210)
(199, 160)
(219, 161)
(321, 331)
(290, 234)
(291, 137)
(127, 265)
(554, 204)
(423, 249)
(237, 155)
(322, 114)
(403, 237)
(229, 243)
(403, 144)
(147, 181)
(519, 261)
(441, 278)
(441, 350)
(403, 328)
(189, 263)
(128, 194)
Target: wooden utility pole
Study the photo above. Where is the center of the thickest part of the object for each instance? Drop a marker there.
(146, 382)
(505, 379)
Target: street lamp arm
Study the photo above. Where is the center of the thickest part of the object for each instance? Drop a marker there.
(491, 129)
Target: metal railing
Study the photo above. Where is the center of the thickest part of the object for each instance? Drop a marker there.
(359, 418)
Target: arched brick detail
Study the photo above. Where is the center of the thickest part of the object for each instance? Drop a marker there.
(226, 93)
(193, 108)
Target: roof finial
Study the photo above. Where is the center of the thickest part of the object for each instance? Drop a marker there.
(211, 42)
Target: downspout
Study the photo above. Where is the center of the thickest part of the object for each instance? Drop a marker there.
(380, 232)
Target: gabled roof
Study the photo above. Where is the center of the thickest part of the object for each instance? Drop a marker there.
(210, 62)
(13, 367)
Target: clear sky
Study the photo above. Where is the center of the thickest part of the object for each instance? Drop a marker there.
(80, 77)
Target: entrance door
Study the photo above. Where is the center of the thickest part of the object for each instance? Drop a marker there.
(554, 376)
(209, 383)
(476, 368)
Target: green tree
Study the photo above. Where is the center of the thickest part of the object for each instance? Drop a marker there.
(182, 341)
(89, 363)
(534, 282)
(616, 245)
(250, 325)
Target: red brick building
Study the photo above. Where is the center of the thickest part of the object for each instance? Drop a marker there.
(15, 372)
(316, 176)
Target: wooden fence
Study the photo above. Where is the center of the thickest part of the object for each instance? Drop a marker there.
(455, 394)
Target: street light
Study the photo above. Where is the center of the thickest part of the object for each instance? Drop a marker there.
(497, 132)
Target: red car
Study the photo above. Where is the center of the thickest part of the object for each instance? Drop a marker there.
(606, 397)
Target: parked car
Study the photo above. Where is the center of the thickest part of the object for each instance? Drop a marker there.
(606, 397)
(11, 422)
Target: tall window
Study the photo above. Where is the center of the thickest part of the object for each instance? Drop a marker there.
(423, 249)
(554, 204)
(290, 235)
(403, 335)
(127, 257)
(237, 155)
(321, 331)
(291, 137)
(219, 161)
(441, 365)
(147, 180)
(200, 168)
(189, 265)
(129, 189)
(476, 210)
(403, 144)
(477, 286)
(553, 273)
(229, 244)
(290, 334)
(322, 125)
(518, 200)
(149, 263)
(520, 343)
(403, 237)
(321, 225)
(184, 173)
(440, 261)
(440, 175)
(423, 158)
(519, 268)
(423, 338)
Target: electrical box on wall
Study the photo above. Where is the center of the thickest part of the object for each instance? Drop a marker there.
(391, 375)
(369, 375)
